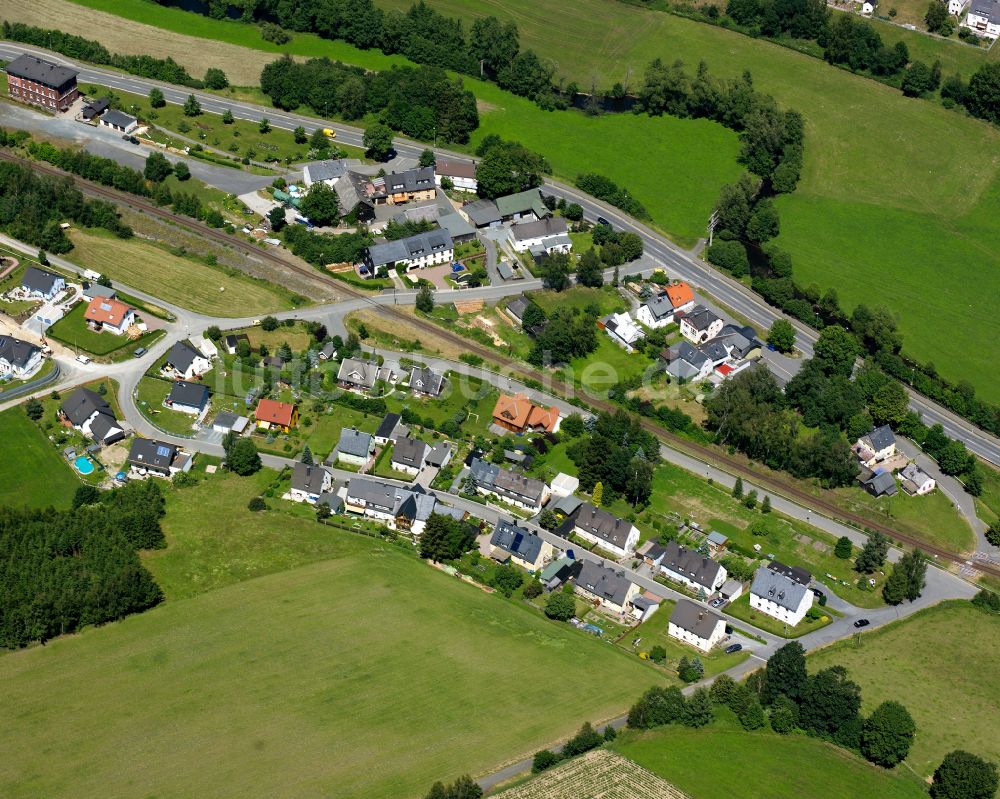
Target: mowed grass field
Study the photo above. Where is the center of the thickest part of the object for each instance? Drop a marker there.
(941, 664)
(723, 761)
(366, 674)
(180, 281)
(32, 472)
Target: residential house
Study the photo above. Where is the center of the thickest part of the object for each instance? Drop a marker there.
(691, 568)
(742, 342)
(413, 185)
(517, 413)
(604, 586)
(188, 397)
(94, 109)
(520, 546)
(916, 481)
(440, 455)
(659, 311)
(984, 18)
(205, 346)
(43, 83)
(597, 526)
(520, 491)
(273, 415)
(523, 205)
(39, 283)
(328, 172)
(559, 572)
(481, 213)
(119, 121)
(426, 382)
(622, 330)
(868, 7)
(232, 342)
(797, 573)
(357, 193)
(358, 375)
(875, 447)
(516, 307)
(328, 351)
(18, 359)
(157, 458)
(88, 412)
(184, 361)
(454, 225)
(696, 625)
(717, 542)
(780, 596)
(564, 485)
(413, 252)
(109, 316)
(543, 236)
(405, 509)
(226, 422)
(956, 7)
(684, 362)
(388, 429)
(355, 446)
(409, 455)
(700, 324)
(275, 362)
(309, 483)
(462, 174)
(879, 483)
(93, 290)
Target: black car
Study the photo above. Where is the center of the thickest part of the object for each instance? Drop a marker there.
(733, 648)
(862, 623)
(602, 221)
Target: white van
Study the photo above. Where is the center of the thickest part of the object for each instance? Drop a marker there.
(83, 359)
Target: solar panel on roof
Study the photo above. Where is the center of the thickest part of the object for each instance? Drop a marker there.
(162, 451)
(105, 306)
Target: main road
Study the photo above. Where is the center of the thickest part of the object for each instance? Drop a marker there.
(726, 291)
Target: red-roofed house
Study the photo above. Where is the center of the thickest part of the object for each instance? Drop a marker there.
(104, 314)
(271, 414)
(519, 414)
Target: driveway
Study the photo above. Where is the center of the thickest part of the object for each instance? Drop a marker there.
(436, 275)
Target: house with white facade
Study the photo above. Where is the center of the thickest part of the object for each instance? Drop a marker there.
(684, 362)
(462, 174)
(984, 18)
(700, 324)
(18, 359)
(660, 310)
(608, 587)
(875, 447)
(409, 455)
(916, 481)
(184, 361)
(119, 121)
(105, 315)
(150, 458)
(414, 252)
(529, 493)
(328, 172)
(403, 509)
(41, 284)
(309, 483)
(543, 236)
(88, 412)
(618, 536)
(188, 397)
(956, 7)
(691, 568)
(425, 382)
(696, 625)
(780, 596)
(622, 330)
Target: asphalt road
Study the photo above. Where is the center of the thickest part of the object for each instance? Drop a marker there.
(678, 263)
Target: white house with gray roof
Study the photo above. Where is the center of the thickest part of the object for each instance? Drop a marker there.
(691, 568)
(984, 18)
(18, 359)
(547, 235)
(39, 283)
(399, 508)
(610, 587)
(355, 447)
(409, 455)
(184, 361)
(874, 447)
(700, 324)
(413, 252)
(523, 492)
(610, 533)
(696, 625)
(309, 483)
(780, 596)
(359, 375)
(425, 381)
(328, 172)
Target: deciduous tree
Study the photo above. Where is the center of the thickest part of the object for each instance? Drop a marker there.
(887, 734)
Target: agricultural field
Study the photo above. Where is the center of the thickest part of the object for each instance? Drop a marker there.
(722, 761)
(904, 660)
(340, 662)
(32, 472)
(599, 774)
(214, 290)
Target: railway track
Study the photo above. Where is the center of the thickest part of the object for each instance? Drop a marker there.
(718, 458)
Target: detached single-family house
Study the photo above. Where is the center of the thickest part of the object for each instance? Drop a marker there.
(39, 283)
(157, 458)
(462, 174)
(409, 455)
(523, 205)
(413, 185)
(516, 307)
(188, 397)
(543, 236)
(622, 330)
(184, 361)
(659, 311)
(232, 342)
(875, 447)
(328, 172)
(696, 625)
(780, 596)
(406, 509)
(517, 413)
(358, 375)
(414, 252)
(309, 483)
(607, 587)
(523, 492)
(18, 359)
(916, 480)
(691, 568)
(521, 547)
(955, 6)
(109, 316)
(389, 429)
(879, 483)
(426, 382)
(440, 455)
(684, 362)
(273, 415)
(355, 446)
(88, 412)
(481, 213)
(610, 533)
(119, 121)
(700, 324)
(742, 342)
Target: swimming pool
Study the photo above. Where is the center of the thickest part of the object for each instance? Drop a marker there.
(84, 465)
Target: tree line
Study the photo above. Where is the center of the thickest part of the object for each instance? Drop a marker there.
(615, 452)
(63, 570)
(164, 69)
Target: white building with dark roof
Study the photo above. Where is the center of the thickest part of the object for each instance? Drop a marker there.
(414, 252)
(696, 625)
(18, 359)
(780, 596)
(309, 483)
(409, 455)
(610, 533)
(610, 587)
(691, 568)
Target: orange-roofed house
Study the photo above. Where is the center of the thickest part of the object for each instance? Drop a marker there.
(519, 414)
(659, 310)
(274, 415)
(104, 314)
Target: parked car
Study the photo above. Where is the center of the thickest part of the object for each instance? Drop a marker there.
(83, 359)
(817, 593)
(732, 648)
(862, 623)
(718, 602)
(139, 352)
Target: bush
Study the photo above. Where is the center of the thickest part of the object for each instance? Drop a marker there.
(544, 759)
(560, 606)
(533, 589)
(657, 654)
(256, 504)
(729, 255)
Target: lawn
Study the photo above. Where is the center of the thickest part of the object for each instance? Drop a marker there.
(362, 675)
(938, 663)
(741, 610)
(183, 281)
(151, 392)
(723, 761)
(72, 330)
(33, 472)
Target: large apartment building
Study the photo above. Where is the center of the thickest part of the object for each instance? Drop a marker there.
(42, 83)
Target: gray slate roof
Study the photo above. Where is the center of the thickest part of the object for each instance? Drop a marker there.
(417, 246)
(114, 117)
(519, 542)
(439, 454)
(84, 403)
(482, 212)
(150, 453)
(39, 71)
(700, 317)
(550, 226)
(426, 380)
(387, 425)
(797, 573)
(986, 8)
(354, 442)
(660, 307)
(880, 483)
(603, 525)
(409, 452)
(742, 339)
(39, 280)
(105, 429)
(411, 180)
(182, 355)
(456, 226)
(517, 306)
(693, 565)
(184, 393)
(881, 437)
(412, 503)
(505, 482)
(694, 618)
(308, 478)
(326, 170)
(778, 588)
(358, 372)
(16, 352)
(606, 583)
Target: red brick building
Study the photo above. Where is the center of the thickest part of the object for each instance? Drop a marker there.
(32, 80)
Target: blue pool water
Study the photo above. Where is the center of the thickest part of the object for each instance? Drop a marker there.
(83, 465)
